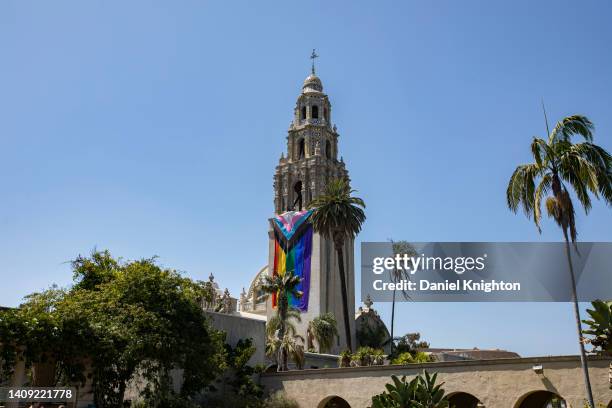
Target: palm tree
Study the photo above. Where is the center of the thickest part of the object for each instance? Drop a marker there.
(399, 248)
(273, 325)
(339, 216)
(324, 329)
(559, 163)
(289, 346)
(282, 286)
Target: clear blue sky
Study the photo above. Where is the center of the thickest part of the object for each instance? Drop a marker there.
(153, 128)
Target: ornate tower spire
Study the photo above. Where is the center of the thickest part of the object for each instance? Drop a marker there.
(312, 149)
(312, 57)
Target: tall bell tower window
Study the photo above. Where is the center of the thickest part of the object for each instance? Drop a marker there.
(301, 149)
(297, 189)
(303, 113)
(315, 112)
(326, 114)
(328, 152)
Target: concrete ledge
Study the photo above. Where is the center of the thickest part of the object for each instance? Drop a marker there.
(496, 383)
(454, 364)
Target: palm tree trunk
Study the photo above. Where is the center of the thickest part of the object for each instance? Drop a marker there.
(392, 320)
(285, 357)
(347, 327)
(283, 305)
(583, 359)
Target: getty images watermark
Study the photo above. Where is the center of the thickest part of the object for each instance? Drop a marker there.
(484, 271)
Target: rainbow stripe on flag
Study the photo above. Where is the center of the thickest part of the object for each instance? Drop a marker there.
(292, 252)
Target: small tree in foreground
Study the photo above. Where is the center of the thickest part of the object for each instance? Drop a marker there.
(122, 320)
(408, 343)
(280, 400)
(600, 330)
(421, 392)
(282, 286)
(324, 329)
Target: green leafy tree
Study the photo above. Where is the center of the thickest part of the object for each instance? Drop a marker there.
(280, 400)
(120, 319)
(600, 330)
(409, 343)
(324, 329)
(409, 358)
(372, 335)
(146, 320)
(421, 392)
(558, 164)
(339, 216)
(40, 335)
(242, 390)
(283, 286)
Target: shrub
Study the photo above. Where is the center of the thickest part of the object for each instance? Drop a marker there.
(280, 400)
(409, 358)
(421, 391)
(367, 356)
(344, 360)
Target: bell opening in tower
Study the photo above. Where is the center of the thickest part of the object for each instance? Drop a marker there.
(297, 203)
(315, 112)
(301, 149)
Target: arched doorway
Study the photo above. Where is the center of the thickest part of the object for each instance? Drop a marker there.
(334, 402)
(463, 400)
(541, 399)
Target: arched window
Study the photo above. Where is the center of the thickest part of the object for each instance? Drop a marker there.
(303, 114)
(542, 398)
(298, 202)
(301, 149)
(328, 148)
(315, 112)
(334, 402)
(325, 114)
(463, 400)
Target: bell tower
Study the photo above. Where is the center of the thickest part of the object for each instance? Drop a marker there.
(303, 171)
(311, 158)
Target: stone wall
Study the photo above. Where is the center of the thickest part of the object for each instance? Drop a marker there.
(501, 383)
(239, 327)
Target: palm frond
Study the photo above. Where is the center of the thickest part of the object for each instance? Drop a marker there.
(274, 322)
(542, 153)
(521, 187)
(324, 329)
(576, 173)
(569, 126)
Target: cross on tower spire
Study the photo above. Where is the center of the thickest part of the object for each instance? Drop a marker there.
(312, 57)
